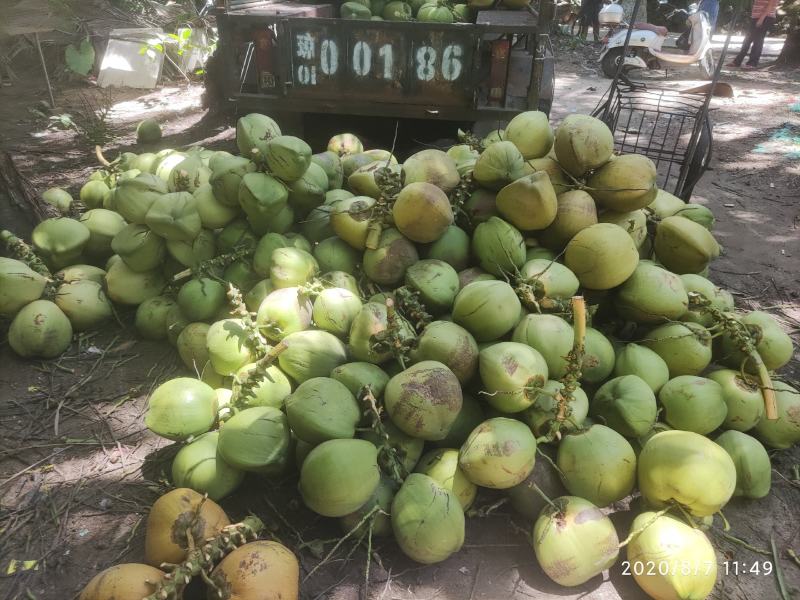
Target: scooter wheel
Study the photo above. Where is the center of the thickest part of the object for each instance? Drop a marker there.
(610, 61)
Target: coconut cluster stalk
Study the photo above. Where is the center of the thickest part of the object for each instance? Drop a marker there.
(23, 252)
(574, 359)
(389, 184)
(392, 338)
(202, 560)
(744, 340)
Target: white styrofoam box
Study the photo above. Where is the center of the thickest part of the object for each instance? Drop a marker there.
(129, 62)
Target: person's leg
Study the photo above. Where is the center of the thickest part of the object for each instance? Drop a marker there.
(758, 41)
(748, 39)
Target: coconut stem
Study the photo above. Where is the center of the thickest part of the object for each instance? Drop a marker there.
(574, 359)
(211, 267)
(23, 253)
(389, 453)
(392, 338)
(746, 342)
(412, 308)
(636, 532)
(205, 558)
(545, 497)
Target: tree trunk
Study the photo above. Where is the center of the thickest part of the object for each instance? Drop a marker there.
(790, 55)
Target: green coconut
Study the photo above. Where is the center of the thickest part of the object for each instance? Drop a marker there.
(549, 278)
(431, 166)
(181, 408)
(487, 309)
(452, 248)
(58, 198)
(427, 520)
(449, 344)
(551, 336)
(529, 203)
(597, 464)
(236, 234)
(201, 299)
(683, 246)
(191, 345)
(498, 165)
(530, 132)
(512, 375)
(148, 132)
(317, 225)
(370, 321)
(685, 347)
(441, 465)
(229, 346)
(253, 131)
(40, 330)
(257, 294)
(698, 213)
(188, 174)
(85, 304)
(262, 259)
(424, 400)
(598, 357)
(19, 285)
(437, 283)
(525, 497)
(687, 468)
(624, 184)
(287, 157)
(262, 197)
(191, 254)
(472, 274)
(340, 279)
(575, 211)
(684, 559)
(693, 404)
(634, 222)
(74, 273)
(627, 404)
(357, 375)
(542, 415)
(651, 295)
(772, 343)
(241, 275)
(381, 525)
(322, 409)
(350, 219)
(334, 254)
(331, 164)
(465, 157)
(720, 299)
(665, 204)
(407, 449)
(151, 317)
(126, 286)
(199, 466)
(258, 440)
(60, 241)
(785, 430)
(95, 194)
(352, 162)
(422, 212)
(387, 263)
(574, 541)
(743, 398)
(226, 178)
(134, 197)
(291, 267)
(397, 11)
(308, 192)
(498, 454)
(344, 144)
(582, 144)
(176, 323)
(480, 205)
(498, 246)
(140, 248)
(311, 354)
(753, 468)
(339, 476)
(335, 309)
(103, 225)
(602, 256)
(265, 387)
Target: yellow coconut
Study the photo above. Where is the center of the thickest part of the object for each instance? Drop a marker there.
(626, 183)
(173, 518)
(684, 246)
(530, 131)
(129, 581)
(558, 177)
(576, 211)
(262, 570)
(634, 222)
(431, 166)
(422, 212)
(582, 144)
(529, 203)
(602, 256)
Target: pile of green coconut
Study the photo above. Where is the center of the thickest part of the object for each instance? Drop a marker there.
(526, 312)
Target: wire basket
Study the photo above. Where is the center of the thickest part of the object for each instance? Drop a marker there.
(660, 124)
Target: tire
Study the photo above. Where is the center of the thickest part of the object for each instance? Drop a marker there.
(610, 62)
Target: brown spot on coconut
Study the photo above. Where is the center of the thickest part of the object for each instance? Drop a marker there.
(422, 212)
(387, 264)
(431, 166)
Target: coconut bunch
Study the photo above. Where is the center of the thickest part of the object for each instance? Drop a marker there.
(432, 11)
(189, 536)
(400, 335)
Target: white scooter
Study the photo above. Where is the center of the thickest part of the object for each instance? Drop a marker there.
(645, 46)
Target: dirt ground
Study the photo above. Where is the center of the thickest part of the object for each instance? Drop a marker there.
(78, 470)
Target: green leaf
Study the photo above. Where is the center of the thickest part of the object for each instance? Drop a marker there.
(81, 59)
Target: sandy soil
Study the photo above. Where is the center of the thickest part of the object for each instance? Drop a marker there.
(78, 470)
